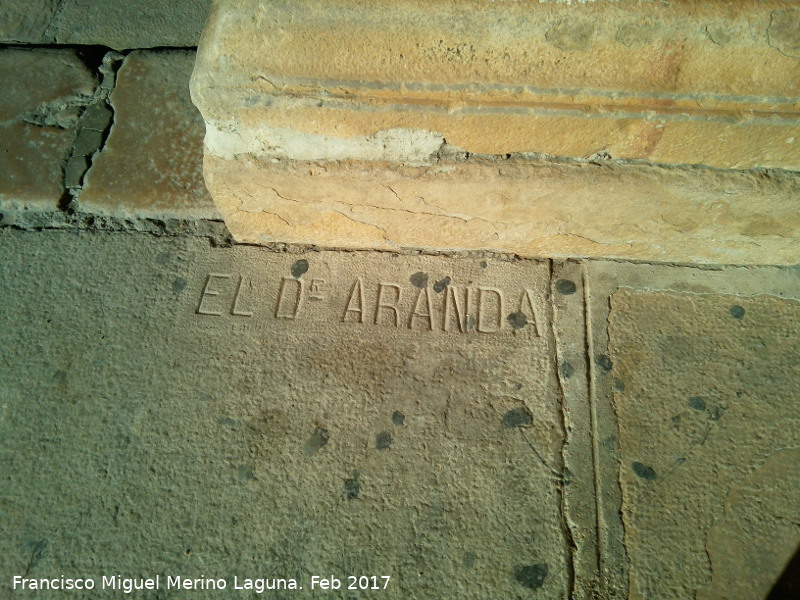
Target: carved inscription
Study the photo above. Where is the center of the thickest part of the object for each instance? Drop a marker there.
(447, 306)
(290, 298)
(208, 307)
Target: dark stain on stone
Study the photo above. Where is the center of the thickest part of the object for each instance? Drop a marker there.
(565, 287)
(572, 34)
(317, 440)
(246, 472)
(352, 487)
(697, 403)
(783, 33)
(36, 551)
(567, 370)
(737, 312)
(227, 421)
(484, 264)
(517, 417)
(644, 471)
(60, 379)
(517, 320)
(604, 362)
(420, 280)
(163, 258)
(470, 323)
(531, 576)
(440, 285)
(383, 440)
(179, 285)
(398, 418)
(619, 385)
(469, 560)
(300, 268)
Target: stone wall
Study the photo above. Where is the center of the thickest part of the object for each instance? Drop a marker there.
(575, 419)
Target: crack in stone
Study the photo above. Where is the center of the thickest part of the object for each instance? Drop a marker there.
(443, 213)
(389, 208)
(94, 128)
(382, 231)
(588, 239)
(49, 32)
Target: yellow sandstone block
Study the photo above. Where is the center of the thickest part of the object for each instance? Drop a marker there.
(338, 123)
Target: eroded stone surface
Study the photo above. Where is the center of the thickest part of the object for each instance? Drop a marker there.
(762, 515)
(183, 411)
(26, 20)
(704, 389)
(42, 97)
(151, 165)
(133, 24)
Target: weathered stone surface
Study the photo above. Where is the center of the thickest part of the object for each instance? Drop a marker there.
(132, 24)
(532, 209)
(704, 389)
(151, 164)
(26, 20)
(119, 25)
(179, 411)
(43, 94)
(685, 83)
(336, 104)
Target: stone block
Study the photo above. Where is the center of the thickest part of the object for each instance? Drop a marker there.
(133, 24)
(704, 389)
(224, 412)
(531, 209)
(26, 20)
(42, 97)
(151, 163)
(358, 101)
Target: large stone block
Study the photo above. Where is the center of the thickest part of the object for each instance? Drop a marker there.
(238, 412)
(151, 163)
(540, 209)
(705, 390)
(353, 121)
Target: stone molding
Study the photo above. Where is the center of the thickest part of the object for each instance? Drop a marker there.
(355, 98)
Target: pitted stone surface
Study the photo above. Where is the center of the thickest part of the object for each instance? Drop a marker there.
(240, 412)
(151, 163)
(705, 391)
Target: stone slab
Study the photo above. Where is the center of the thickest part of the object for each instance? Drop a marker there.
(226, 412)
(528, 208)
(43, 95)
(118, 25)
(151, 164)
(705, 391)
(26, 20)
(639, 374)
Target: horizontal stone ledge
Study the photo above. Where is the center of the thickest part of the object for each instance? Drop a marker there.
(710, 83)
(528, 208)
